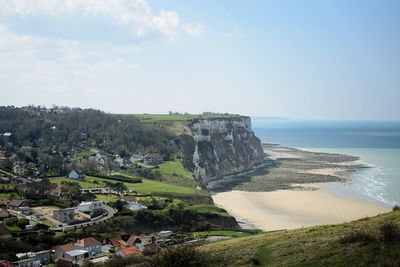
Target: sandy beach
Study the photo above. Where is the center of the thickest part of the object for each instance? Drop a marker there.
(289, 209)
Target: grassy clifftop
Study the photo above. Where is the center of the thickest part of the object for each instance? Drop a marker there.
(177, 123)
(367, 242)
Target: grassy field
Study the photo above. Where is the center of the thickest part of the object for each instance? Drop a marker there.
(207, 208)
(13, 229)
(175, 168)
(175, 173)
(176, 124)
(9, 196)
(48, 223)
(107, 198)
(146, 187)
(314, 246)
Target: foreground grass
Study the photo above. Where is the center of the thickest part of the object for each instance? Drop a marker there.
(228, 233)
(314, 246)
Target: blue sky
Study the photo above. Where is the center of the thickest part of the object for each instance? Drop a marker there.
(337, 60)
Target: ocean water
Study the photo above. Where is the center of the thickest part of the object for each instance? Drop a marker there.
(376, 143)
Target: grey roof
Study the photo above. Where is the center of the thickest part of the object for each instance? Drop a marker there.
(17, 202)
(76, 252)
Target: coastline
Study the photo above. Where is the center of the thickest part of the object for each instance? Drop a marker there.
(290, 209)
(304, 202)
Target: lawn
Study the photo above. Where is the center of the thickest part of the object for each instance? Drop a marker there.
(146, 187)
(107, 198)
(205, 208)
(9, 196)
(47, 222)
(149, 186)
(88, 182)
(13, 228)
(175, 168)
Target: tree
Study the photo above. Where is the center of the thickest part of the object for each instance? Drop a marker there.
(22, 223)
(119, 205)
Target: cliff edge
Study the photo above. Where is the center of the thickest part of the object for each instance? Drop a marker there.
(220, 146)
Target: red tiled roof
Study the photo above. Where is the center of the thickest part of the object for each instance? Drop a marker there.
(130, 251)
(88, 242)
(123, 243)
(114, 241)
(67, 247)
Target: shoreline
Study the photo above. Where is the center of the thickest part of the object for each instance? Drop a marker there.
(319, 197)
(290, 209)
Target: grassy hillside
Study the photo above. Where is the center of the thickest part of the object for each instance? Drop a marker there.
(358, 243)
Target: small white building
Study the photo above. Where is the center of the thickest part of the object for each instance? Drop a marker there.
(90, 206)
(133, 205)
(136, 158)
(164, 234)
(75, 175)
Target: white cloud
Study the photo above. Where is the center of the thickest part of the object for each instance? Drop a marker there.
(137, 14)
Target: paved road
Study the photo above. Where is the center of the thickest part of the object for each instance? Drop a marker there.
(110, 214)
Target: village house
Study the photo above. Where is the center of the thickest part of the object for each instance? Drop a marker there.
(61, 250)
(141, 241)
(164, 234)
(153, 159)
(90, 206)
(19, 168)
(74, 174)
(136, 158)
(75, 257)
(32, 259)
(64, 215)
(127, 252)
(116, 243)
(132, 204)
(90, 244)
(15, 204)
(25, 210)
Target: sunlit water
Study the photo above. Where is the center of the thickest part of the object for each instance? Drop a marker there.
(376, 143)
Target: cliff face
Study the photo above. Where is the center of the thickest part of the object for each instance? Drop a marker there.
(217, 147)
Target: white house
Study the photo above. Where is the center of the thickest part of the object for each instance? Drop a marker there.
(90, 206)
(164, 234)
(133, 205)
(75, 175)
(136, 158)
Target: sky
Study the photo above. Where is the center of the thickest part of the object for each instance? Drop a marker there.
(317, 60)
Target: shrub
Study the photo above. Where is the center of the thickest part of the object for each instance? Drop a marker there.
(356, 236)
(389, 232)
(22, 223)
(178, 256)
(396, 207)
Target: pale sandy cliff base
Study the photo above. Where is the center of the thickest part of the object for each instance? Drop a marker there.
(286, 209)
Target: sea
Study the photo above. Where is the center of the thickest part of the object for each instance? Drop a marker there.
(376, 143)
